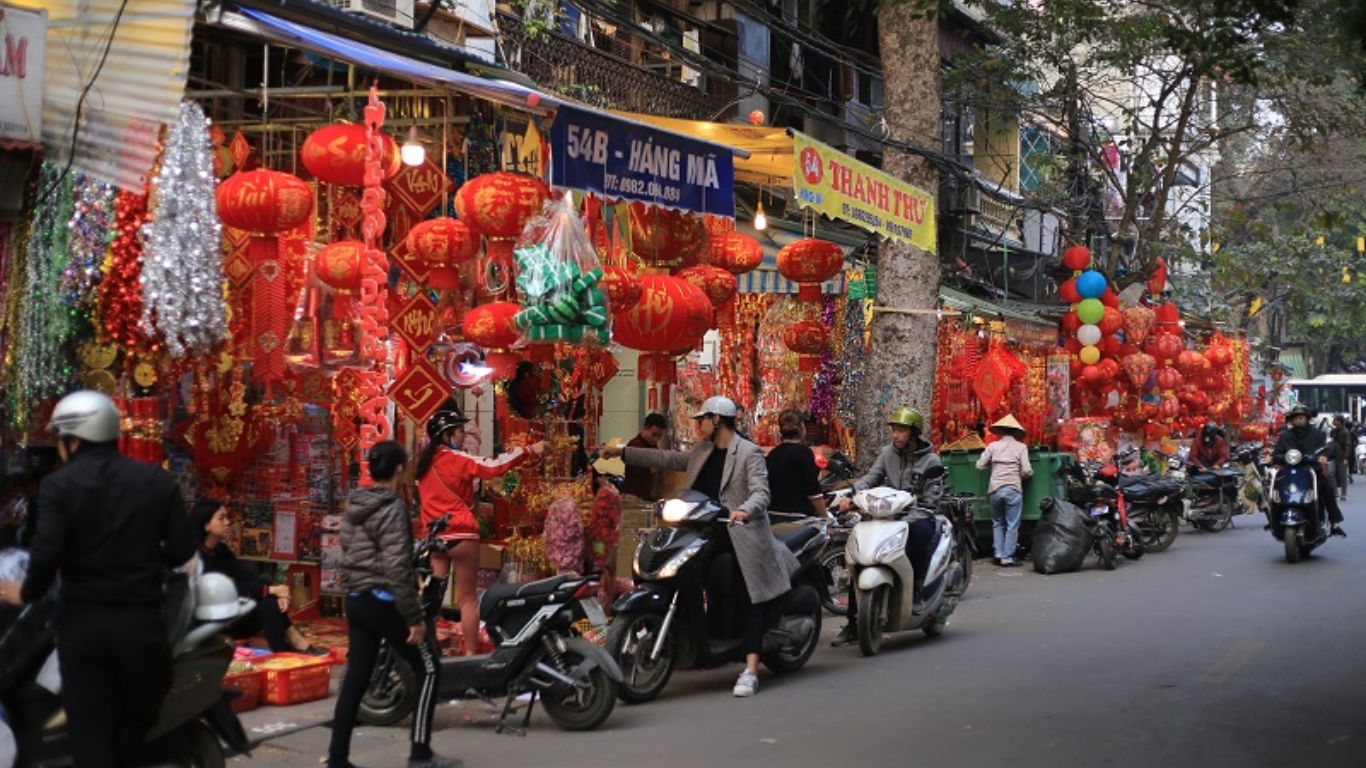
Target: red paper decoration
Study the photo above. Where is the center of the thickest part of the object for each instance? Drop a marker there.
(672, 314)
(336, 154)
(1137, 366)
(1190, 363)
(372, 405)
(340, 264)
(1169, 379)
(810, 262)
(666, 238)
(719, 285)
(735, 252)
(1138, 321)
(500, 204)
(1070, 323)
(444, 244)
(1068, 291)
(1112, 322)
(809, 337)
(622, 287)
(492, 325)
(1168, 319)
(264, 202)
(419, 391)
(1167, 347)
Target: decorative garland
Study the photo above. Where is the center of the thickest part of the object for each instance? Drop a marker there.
(182, 273)
(44, 365)
(852, 353)
(91, 226)
(120, 292)
(823, 391)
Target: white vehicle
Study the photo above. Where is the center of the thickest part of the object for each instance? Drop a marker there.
(881, 575)
(1359, 466)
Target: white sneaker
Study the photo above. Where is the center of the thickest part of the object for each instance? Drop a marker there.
(747, 684)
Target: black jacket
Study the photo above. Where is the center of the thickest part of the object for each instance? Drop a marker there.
(220, 559)
(1310, 441)
(377, 549)
(112, 526)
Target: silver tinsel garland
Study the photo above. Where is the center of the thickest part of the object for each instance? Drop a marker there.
(182, 272)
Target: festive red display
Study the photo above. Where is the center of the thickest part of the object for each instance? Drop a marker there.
(340, 265)
(120, 292)
(1076, 258)
(492, 325)
(444, 244)
(622, 287)
(672, 315)
(1112, 322)
(1138, 322)
(500, 204)
(717, 283)
(1190, 363)
(336, 154)
(1137, 366)
(369, 396)
(810, 262)
(666, 238)
(1166, 347)
(734, 252)
(1068, 291)
(264, 202)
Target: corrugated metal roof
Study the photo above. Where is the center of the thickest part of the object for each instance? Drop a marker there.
(139, 85)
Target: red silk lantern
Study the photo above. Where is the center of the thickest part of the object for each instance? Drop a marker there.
(1076, 258)
(672, 314)
(1190, 363)
(1167, 347)
(810, 262)
(340, 265)
(1072, 345)
(1168, 379)
(336, 154)
(1137, 366)
(1068, 291)
(809, 340)
(1109, 368)
(735, 252)
(500, 204)
(665, 238)
(1111, 347)
(1112, 322)
(1138, 321)
(622, 287)
(444, 243)
(717, 283)
(1110, 299)
(1169, 408)
(492, 325)
(1219, 356)
(1071, 322)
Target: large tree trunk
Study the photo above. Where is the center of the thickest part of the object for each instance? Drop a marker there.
(901, 360)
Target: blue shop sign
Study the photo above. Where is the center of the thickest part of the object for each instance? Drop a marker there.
(625, 161)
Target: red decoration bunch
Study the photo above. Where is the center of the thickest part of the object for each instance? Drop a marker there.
(120, 292)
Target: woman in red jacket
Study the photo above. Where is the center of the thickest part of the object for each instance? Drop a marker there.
(445, 486)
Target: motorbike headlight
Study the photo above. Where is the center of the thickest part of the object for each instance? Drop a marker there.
(677, 510)
(1173, 463)
(892, 545)
(1293, 457)
(681, 557)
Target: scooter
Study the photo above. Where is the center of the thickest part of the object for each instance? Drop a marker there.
(1298, 517)
(882, 575)
(684, 612)
(195, 718)
(537, 651)
(1213, 495)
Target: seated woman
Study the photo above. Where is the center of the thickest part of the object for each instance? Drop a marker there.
(210, 518)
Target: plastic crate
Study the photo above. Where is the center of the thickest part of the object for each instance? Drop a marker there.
(293, 678)
(248, 684)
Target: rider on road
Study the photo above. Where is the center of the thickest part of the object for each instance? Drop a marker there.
(1301, 436)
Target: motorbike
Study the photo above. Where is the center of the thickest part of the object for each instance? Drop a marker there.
(1096, 489)
(958, 508)
(195, 720)
(684, 612)
(1298, 517)
(832, 558)
(1212, 492)
(537, 651)
(1253, 486)
(1154, 504)
(882, 573)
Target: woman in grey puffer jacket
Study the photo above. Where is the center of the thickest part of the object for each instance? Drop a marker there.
(382, 605)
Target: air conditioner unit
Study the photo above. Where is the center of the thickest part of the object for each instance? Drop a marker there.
(396, 12)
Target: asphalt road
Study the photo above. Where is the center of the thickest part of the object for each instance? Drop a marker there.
(1214, 653)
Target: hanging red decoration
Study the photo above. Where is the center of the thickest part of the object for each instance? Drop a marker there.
(1167, 319)
(809, 339)
(372, 405)
(120, 292)
(622, 287)
(1166, 347)
(1169, 408)
(719, 285)
(1112, 322)
(499, 205)
(1092, 375)
(336, 154)
(1076, 258)
(1110, 299)
(1068, 291)
(672, 314)
(1138, 321)
(810, 262)
(492, 325)
(1190, 363)
(1168, 379)
(1158, 282)
(1137, 366)
(340, 265)
(1071, 322)
(734, 252)
(664, 238)
(444, 244)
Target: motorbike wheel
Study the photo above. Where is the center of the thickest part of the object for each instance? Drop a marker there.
(1224, 519)
(1105, 547)
(1292, 548)
(630, 639)
(1133, 543)
(834, 564)
(790, 661)
(870, 613)
(963, 555)
(935, 628)
(391, 695)
(583, 707)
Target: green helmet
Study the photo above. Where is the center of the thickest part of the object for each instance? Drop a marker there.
(907, 417)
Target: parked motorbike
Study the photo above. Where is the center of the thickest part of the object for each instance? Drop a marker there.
(958, 508)
(1256, 475)
(882, 573)
(1213, 494)
(688, 608)
(832, 558)
(1298, 517)
(1155, 505)
(537, 651)
(195, 720)
(1096, 488)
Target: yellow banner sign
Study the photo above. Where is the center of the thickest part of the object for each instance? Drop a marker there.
(843, 188)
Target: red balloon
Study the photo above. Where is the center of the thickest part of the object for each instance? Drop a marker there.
(1092, 375)
(1110, 298)
(1072, 345)
(1076, 258)
(1071, 322)
(1112, 322)
(1110, 346)
(1068, 291)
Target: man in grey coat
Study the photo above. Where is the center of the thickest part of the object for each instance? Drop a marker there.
(727, 467)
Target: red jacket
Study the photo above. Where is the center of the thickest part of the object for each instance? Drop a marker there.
(448, 488)
(1210, 456)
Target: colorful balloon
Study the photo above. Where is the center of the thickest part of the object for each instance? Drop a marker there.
(1089, 355)
(1091, 284)
(1091, 311)
(1089, 335)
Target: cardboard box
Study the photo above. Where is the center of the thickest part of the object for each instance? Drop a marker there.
(491, 556)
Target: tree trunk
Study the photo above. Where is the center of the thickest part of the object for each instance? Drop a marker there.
(901, 358)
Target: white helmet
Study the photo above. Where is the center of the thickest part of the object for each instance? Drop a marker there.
(88, 415)
(215, 598)
(716, 406)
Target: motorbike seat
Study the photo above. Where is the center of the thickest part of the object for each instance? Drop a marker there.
(497, 593)
(795, 535)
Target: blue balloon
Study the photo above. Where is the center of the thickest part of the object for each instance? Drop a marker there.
(1091, 284)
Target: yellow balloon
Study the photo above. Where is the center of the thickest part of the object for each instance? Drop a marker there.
(1090, 355)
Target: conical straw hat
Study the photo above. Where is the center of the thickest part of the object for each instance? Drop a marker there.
(1008, 422)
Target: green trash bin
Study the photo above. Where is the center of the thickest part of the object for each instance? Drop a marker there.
(965, 477)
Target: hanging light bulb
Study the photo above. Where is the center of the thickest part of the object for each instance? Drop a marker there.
(412, 150)
(760, 220)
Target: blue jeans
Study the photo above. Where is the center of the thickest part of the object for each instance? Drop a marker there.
(1007, 504)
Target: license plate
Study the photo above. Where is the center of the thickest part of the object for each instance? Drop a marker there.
(1099, 511)
(593, 610)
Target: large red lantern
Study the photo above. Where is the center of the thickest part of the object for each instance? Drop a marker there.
(1166, 347)
(340, 265)
(1190, 363)
(665, 238)
(493, 327)
(1112, 322)
(717, 283)
(621, 286)
(1138, 321)
(1138, 366)
(809, 340)
(444, 243)
(735, 252)
(1169, 379)
(810, 262)
(672, 314)
(499, 205)
(336, 154)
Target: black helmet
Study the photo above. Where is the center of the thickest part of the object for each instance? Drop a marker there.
(443, 422)
(1299, 410)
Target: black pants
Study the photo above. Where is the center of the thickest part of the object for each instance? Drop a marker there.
(1329, 500)
(269, 620)
(116, 669)
(919, 540)
(370, 620)
(754, 626)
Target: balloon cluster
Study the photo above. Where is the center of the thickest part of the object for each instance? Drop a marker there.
(1094, 321)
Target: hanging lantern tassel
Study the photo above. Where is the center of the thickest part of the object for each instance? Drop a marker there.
(269, 319)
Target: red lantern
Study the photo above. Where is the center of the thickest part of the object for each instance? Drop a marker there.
(672, 314)
(809, 337)
(1112, 322)
(1110, 299)
(717, 283)
(1111, 347)
(1168, 318)
(734, 252)
(1138, 366)
(340, 265)
(665, 238)
(1068, 291)
(810, 262)
(444, 243)
(1167, 347)
(1109, 368)
(1190, 363)
(1138, 321)
(1092, 376)
(1076, 258)
(622, 287)
(336, 154)
(1168, 379)
(500, 204)
(1169, 408)
(492, 325)
(1071, 322)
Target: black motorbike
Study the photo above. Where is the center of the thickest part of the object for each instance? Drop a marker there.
(958, 508)
(1213, 494)
(1298, 517)
(688, 608)
(195, 720)
(1155, 505)
(537, 651)
(1095, 488)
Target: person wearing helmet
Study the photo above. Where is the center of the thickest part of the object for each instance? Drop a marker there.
(1300, 435)
(902, 465)
(113, 527)
(1211, 450)
(445, 485)
(725, 466)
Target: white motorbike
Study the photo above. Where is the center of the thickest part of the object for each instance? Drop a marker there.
(881, 573)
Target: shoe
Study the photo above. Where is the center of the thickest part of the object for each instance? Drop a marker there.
(846, 636)
(342, 764)
(1010, 563)
(746, 685)
(433, 760)
(1337, 531)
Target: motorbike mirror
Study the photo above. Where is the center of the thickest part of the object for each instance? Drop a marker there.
(936, 472)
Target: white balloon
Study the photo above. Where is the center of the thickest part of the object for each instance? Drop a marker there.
(1089, 335)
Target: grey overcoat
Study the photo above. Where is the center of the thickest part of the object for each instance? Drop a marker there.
(765, 562)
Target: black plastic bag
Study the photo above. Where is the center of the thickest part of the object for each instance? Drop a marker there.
(1062, 537)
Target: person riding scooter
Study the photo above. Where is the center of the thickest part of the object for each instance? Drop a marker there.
(1301, 436)
(902, 465)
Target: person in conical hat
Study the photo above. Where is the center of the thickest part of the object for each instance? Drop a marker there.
(1008, 459)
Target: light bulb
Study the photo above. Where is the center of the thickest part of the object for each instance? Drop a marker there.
(412, 151)
(760, 220)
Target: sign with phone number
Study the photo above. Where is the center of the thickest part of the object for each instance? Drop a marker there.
(625, 161)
